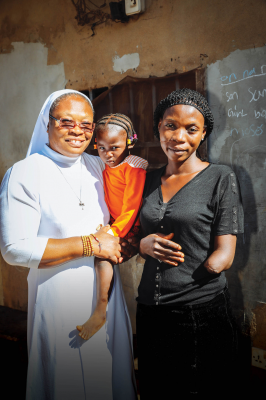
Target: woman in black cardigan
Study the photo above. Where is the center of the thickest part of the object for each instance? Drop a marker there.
(185, 329)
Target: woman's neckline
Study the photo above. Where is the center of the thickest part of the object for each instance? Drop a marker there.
(183, 187)
(53, 155)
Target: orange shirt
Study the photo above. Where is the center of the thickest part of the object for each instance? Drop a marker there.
(123, 186)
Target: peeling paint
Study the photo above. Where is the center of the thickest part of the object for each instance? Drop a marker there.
(126, 62)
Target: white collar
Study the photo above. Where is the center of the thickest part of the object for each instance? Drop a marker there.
(48, 152)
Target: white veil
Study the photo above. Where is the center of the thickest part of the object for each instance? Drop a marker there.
(40, 136)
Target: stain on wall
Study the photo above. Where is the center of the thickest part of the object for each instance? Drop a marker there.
(259, 333)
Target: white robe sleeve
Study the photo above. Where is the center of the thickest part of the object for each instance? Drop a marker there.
(20, 215)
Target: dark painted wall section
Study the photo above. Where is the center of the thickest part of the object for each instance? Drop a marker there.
(237, 93)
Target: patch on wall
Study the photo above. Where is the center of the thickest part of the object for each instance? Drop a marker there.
(26, 81)
(127, 61)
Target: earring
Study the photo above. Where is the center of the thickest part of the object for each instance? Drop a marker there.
(95, 145)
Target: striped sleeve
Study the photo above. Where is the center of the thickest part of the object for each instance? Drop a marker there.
(136, 162)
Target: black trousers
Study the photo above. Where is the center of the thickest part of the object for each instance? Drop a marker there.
(186, 350)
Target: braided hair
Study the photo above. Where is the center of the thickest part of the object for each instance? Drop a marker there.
(188, 97)
(119, 120)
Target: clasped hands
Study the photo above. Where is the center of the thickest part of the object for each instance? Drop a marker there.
(113, 248)
(118, 250)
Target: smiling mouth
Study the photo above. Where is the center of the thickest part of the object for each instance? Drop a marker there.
(178, 151)
(75, 140)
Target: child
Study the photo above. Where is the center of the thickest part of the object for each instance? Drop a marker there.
(124, 179)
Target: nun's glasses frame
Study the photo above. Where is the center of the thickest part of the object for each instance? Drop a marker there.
(70, 124)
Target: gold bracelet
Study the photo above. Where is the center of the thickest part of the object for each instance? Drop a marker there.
(89, 242)
(88, 250)
(85, 246)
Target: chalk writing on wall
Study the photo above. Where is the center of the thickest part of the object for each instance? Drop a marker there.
(236, 88)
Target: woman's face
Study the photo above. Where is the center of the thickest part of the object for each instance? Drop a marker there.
(70, 142)
(181, 131)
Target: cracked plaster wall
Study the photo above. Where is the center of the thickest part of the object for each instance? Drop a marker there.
(26, 81)
(169, 36)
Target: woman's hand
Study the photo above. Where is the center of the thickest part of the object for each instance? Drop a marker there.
(160, 247)
(108, 246)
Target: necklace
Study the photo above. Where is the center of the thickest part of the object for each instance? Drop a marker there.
(81, 204)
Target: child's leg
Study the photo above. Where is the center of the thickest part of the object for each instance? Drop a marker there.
(104, 276)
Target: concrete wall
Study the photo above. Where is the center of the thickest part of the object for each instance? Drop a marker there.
(172, 35)
(41, 47)
(25, 80)
(232, 143)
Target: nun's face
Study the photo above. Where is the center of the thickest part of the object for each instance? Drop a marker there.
(70, 142)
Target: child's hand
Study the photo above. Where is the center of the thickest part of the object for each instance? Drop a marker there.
(129, 248)
(134, 241)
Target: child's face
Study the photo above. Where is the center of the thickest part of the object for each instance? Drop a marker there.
(112, 145)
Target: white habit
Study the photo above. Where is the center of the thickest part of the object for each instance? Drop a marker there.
(39, 200)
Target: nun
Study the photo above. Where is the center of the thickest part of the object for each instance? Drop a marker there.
(50, 203)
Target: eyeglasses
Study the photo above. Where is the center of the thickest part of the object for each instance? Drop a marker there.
(68, 123)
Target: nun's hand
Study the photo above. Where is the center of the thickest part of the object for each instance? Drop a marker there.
(106, 246)
(160, 246)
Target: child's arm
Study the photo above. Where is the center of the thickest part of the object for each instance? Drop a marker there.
(132, 201)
